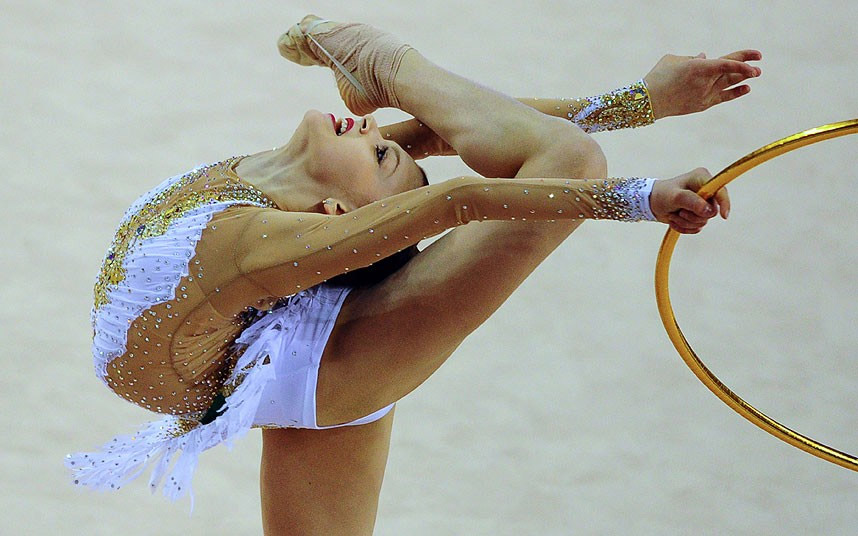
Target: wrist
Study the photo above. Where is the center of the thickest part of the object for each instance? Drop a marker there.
(629, 200)
(656, 102)
(646, 203)
(627, 107)
(640, 199)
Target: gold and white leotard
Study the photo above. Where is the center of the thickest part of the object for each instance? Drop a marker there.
(195, 260)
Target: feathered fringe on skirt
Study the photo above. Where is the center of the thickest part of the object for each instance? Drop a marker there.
(158, 443)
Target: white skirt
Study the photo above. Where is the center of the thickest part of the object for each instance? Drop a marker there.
(275, 380)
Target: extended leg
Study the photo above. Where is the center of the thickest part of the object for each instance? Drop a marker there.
(494, 134)
(364, 60)
(390, 338)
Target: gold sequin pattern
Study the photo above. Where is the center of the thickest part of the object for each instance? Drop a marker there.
(156, 215)
(627, 107)
(182, 426)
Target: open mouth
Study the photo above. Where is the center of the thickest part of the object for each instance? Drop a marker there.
(341, 126)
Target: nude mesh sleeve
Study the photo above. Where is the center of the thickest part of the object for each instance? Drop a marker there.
(284, 252)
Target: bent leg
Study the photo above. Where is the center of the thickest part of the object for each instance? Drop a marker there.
(390, 338)
(323, 482)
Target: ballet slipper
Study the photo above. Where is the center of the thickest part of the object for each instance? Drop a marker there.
(364, 60)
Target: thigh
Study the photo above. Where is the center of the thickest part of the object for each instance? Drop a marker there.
(388, 339)
(323, 481)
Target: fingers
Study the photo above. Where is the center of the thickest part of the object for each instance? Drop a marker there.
(723, 200)
(727, 81)
(733, 93)
(693, 203)
(687, 204)
(744, 55)
(683, 227)
(688, 222)
(728, 67)
(690, 218)
(678, 204)
(730, 80)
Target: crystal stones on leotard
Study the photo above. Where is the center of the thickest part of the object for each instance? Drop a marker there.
(623, 200)
(627, 107)
(147, 272)
(158, 212)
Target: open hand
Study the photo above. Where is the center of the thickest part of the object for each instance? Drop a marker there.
(675, 202)
(681, 85)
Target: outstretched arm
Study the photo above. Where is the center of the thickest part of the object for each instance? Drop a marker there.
(398, 332)
(391, 337)
(677, 85)
(284, 252)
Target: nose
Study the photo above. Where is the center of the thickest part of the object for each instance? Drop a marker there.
(368, 124)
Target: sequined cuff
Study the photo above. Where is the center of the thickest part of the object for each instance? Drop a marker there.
(643, 195)
(628, 200)
(627, 107)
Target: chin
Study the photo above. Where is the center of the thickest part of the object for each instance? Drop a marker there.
(311, 122)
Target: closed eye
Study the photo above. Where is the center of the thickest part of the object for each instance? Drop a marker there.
(380, 153)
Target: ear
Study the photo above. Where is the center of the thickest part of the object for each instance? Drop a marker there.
(333, 207)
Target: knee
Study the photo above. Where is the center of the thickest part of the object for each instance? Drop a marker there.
(575, 154)
(594, 162)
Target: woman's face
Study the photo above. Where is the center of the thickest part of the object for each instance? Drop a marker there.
(352, 156)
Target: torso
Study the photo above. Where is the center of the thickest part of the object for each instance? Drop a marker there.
(176, 349)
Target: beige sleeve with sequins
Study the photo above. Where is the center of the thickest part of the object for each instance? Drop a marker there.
(284, 252)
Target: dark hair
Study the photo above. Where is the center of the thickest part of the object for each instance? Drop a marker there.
(377, 272)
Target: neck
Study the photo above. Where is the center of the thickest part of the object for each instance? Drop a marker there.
(282, 178)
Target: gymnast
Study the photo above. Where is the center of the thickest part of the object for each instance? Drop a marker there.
(283, 290)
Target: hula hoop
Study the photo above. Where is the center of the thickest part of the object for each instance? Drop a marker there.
(662, 294)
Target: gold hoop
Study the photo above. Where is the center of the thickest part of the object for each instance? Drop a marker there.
(662, 295)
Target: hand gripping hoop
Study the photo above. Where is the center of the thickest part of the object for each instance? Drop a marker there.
(662, 295)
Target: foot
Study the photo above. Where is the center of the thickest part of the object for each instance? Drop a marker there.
(364, 59)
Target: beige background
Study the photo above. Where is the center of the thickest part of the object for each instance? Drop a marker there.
(569, 411)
